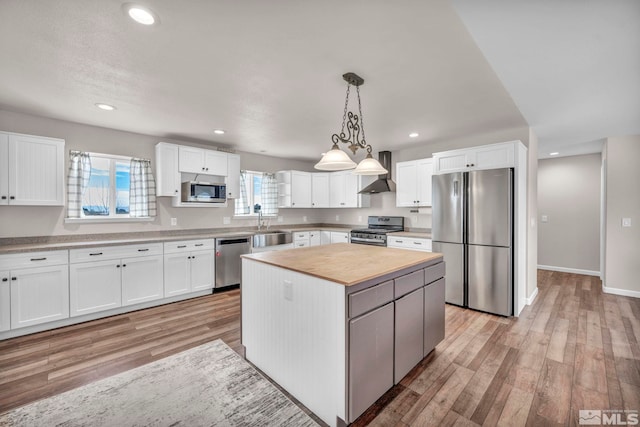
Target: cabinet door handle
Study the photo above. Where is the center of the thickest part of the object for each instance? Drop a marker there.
(199, 244)
(95, 254)
(14, 278)
(202, 168)
(124, 265)
(143, 250)
(182, 246)
(38, 259)
(188, 257)
(176, 191)
(4, 197)
(11, 198)
(417, 243)
(207, 169)
(118, 266)
(399, 241)
(5, 279)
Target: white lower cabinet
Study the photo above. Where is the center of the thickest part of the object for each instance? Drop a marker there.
(34, 288)
(189, 266)
(39, 295)
(314, 238)
(142, 279)
(5, 301)
(339, 237)
(109, 277)
(94, 286)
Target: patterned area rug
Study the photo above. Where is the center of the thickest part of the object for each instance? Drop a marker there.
(209, 385)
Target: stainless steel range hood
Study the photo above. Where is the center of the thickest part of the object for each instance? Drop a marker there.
(384, 182)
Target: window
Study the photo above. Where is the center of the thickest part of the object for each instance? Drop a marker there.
(258, 192)
(107, 194)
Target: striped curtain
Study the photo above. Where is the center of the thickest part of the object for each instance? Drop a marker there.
(269, 195)
(77, 181)
(242, 203)
(142, 192)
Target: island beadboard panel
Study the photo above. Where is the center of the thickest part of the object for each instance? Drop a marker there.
(345, 263)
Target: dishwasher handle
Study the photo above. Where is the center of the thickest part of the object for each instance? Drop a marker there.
(242, 240)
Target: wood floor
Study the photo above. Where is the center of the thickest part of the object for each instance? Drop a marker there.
(574, 348)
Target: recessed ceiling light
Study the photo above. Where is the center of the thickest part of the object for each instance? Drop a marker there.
(140, 14)
(105, 107)
(414, 135)
(218, 131)
(555, 153)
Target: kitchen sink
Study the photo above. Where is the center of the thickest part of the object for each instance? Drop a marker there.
(271, 238)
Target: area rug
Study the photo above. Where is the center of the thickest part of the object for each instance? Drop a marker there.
(209, 385)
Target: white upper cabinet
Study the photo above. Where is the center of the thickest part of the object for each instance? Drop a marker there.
(233, 176)
(199, 161)
(320, 190)
(300, 189)
(344, 187)
(492, 156)
(31, 170)
(413, 183)
(167, 173)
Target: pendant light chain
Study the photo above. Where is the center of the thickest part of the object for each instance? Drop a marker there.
(364, 139)
(346, 104)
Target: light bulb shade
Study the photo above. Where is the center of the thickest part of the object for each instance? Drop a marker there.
(335, 160)
(369, 166)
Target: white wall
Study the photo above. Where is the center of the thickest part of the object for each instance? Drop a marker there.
(532, 212)
(622, 244)
(569, 195)
(44, 221)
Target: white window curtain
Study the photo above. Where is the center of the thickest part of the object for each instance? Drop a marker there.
(142, 194)
(77, 181)
(242, 203)
(269, 194)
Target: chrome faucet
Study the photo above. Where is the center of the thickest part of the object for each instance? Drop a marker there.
(259, 219)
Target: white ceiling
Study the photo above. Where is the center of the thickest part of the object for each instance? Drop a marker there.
(269, 73)
(571, 66)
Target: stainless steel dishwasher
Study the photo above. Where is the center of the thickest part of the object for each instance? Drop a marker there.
(228, 262)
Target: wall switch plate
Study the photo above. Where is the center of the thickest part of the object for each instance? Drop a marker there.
(287, 290)
(280, 218)
(304, 218)
(226, 220)
(174, 221)
(359, 218)
(544, 218)
(337, 217)
(626, 222)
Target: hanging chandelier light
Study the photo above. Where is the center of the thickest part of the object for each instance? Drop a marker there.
(336, 159)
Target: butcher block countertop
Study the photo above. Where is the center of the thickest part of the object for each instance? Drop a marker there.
(345, 263)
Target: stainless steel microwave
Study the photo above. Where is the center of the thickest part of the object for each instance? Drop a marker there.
(203, 192)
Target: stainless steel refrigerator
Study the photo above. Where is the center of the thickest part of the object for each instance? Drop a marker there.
(473, 228)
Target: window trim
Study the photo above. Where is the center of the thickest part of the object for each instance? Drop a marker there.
(251, 215)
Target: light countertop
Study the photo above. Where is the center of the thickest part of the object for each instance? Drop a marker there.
(416, 234)
(345, 263)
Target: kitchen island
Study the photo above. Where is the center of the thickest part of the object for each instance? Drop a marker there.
(338, 325)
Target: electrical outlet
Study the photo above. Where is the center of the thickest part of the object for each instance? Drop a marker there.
(626, 222)
(337, 217)
(304, 218)
(414, 219)
(226, 220)
(280, 218)
(174, 221)
(544, 218)
(359, 218)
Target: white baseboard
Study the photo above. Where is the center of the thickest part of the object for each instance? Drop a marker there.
(623, 292)
(532, 297)
(569, 270)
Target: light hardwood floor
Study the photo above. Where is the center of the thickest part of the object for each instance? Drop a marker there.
(573, 348)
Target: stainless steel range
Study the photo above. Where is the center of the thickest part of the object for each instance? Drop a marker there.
(376, 234)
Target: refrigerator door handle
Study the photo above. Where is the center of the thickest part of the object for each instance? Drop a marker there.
(455, 188)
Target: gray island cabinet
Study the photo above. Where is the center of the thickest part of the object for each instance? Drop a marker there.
(338, 325)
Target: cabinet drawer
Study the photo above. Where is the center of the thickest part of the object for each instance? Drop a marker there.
(301, 244)
(414, 243)
(409, 282)
(33, 259)
(370, 298)
(114, 252)
(189, 245)
(434, 272)
(301, 235)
